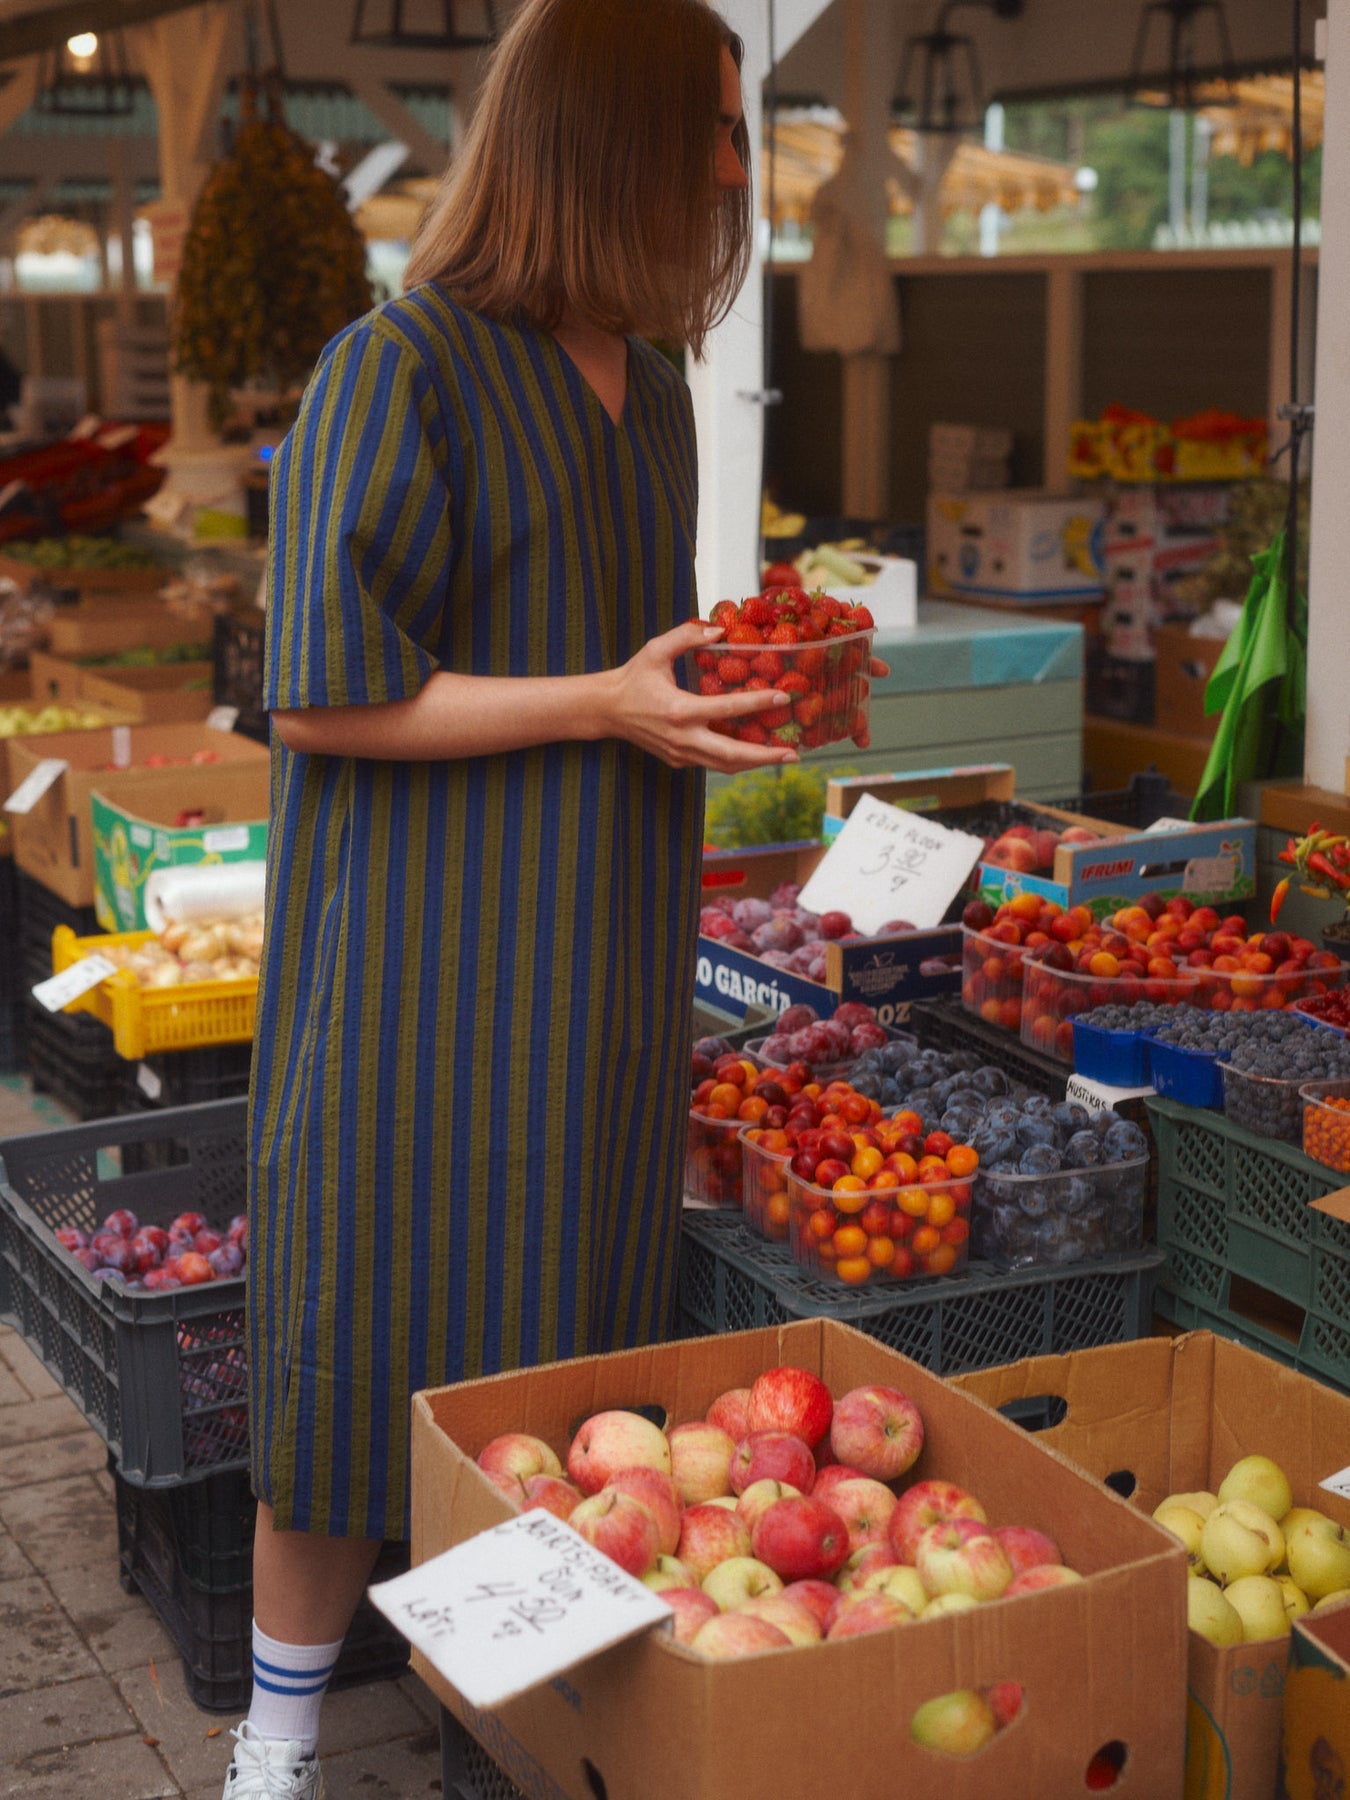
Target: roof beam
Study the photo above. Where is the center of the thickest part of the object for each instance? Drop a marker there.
(31, 33)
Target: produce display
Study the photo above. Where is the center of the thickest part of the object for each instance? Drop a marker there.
(782, 1519)
(1266, 1067)
(79, 551)
(27, 721)
(1331, 1009)
(151, 1258)
(811, 647)
(158, 760)
(832, 1045)
(1057, 1185)
(783, 805)
(1030, 849)
(788, 936)
(145, 657)
(206, 950)
(822, 564)
(1257, 1560)
(1326, 1123)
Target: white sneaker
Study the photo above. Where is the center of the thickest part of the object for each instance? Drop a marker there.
(270, 1769)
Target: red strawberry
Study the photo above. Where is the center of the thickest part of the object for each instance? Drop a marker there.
(743, 633)
(794, 682)
(733, 670)
(705, 660)
(757, 685)
(775, 716)
(750, 731)
(807, 710)
(813, 736)
(784, 633)
(724, 613)
(862, 619)
(786, 734)
(860, 733)
(758, 610)
(710, 686)
(839, 628)
(768, 664)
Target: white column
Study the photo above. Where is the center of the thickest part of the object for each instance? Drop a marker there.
(1328, 735)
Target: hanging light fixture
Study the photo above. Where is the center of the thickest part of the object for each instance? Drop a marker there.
(1187, 88)
(939, 81)
(424, 24)
(87, 77)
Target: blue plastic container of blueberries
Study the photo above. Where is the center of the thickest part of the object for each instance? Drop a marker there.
(1190, 1077)
(1118, 1058)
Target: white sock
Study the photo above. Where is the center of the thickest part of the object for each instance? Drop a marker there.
(288, 1688)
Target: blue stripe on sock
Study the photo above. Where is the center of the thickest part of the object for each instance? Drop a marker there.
(293, 1674)
(296, 1693)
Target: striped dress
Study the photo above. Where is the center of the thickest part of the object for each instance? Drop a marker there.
(471, 1065)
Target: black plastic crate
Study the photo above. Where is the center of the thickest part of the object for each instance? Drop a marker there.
(12, 972)
(1116, 688)
(162, 1378)
(237, 674)
(187, 1077)
(40, 911)
(732, 1280)
(468, 1772)
(13, 1037)
(1149, 796)
(944, 1024)
(71, 1057)
(189, 1552)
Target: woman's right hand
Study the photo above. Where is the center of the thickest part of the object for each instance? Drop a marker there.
(647, 707)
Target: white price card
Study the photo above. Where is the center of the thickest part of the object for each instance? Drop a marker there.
(149, 1081)
(1339, 1483)
(222, 718)
(121, 746)
(35, 784)
(515, 1606)
(73, 981)
(1099, 1096)
(888, 864)
(1209, 874)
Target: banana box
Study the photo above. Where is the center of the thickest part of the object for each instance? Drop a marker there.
(1018, 544)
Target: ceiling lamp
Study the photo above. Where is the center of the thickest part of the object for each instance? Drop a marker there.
(939, 78)
(88, 77)
(1189, 82)
(424, 24)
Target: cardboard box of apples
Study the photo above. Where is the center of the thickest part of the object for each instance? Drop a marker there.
(786, 1684)
(1211, 1437)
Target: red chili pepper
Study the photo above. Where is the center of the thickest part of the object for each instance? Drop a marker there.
(1278, 897)
(1338, 877)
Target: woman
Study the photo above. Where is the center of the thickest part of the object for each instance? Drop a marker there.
(470, 1081)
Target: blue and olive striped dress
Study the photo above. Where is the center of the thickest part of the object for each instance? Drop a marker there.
(471, 1065)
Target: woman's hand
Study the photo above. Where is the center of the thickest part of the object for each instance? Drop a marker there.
(648, 708)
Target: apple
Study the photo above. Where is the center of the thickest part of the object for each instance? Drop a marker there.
(794, 1618)
(865, 1506)
(1260, 1481)
(860, 1613)
(925, 1504)
(610, 1441)
(1210, 1614)
(821, 1598)
(801, 1539)
(668, 1572)
(955, 1724)
(1186, 1525)
(962, 1556)
(729, 1501)
(948, 1603)
(1259, 1602)
(1319, 1558)
(859, 1564)
(788, 1399)
(708, 1535)
(878, 1430)
(692, 1608)
(655, 1491)
(829, 1477)
(1240, 1539)
(1295, 1600)
(517, 1453)
(510, 1485)
(1198, 1499)
(738, 1579)
(1027, 1547)
(780, 1455)
(737, 1634)
(1329, 1601)
(1300, 1515)
(700, 1460)
(901, 1582)
(1006, 1699)
(762, 1494)
(731, 1411)
(620, 1527)
(1043, 1575)
(550, 1493)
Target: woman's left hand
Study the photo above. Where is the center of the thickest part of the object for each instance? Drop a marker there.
(879, 668)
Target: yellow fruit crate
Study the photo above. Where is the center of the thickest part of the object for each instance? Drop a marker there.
(145, 1020)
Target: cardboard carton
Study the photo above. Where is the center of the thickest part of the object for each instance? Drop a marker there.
(1315, 1760)
(54, 841)
(1183, 668)
(1100, 1661)
(138, 832)
(1017, 543)
(157, 694)
(102, 627)
(93, 582)
(1165, 1416)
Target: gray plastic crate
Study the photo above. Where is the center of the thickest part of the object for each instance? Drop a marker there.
(162, 1378)
(732, 1280)
(469, 1773)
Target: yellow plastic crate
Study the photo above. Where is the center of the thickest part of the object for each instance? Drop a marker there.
(145, 1020)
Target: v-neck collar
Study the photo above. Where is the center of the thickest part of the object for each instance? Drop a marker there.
(589, 393)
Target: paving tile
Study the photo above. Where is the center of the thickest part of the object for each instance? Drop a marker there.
(404, 1770)
(421, 1696)
(12, 1390)
(121, 1629)
(167, 1712)
(55, 1416)
(13, 1562)
(92, 1593)
(61, 1524)
(21, 1361)
(24, 1464)
(373, 1714)
(71, 1712)
(38, 1643)
(117, 1769)
(131, 1641)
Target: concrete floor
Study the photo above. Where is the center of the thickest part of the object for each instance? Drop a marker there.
(92, 1700)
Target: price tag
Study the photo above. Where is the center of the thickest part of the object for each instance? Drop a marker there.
(1339, 1483)
(121, 746)
(1209, 874)
(1164, 825)
(150, 1084)
(225, 838)
(889, 864)
(61, 989)
(222, 718)
(35, 784)
(1099, 1096)
(515, 1606)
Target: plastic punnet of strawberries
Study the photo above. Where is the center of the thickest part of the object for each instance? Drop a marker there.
(811, 647)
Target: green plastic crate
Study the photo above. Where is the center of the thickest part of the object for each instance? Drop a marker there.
(732, 1280)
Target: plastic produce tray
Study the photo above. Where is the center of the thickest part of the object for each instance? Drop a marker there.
(1118, 1058)
(144, 1020)
(731, 1280)
(12, 983)
(946, 1025)
(237, 671)
(468, 1772)
(1190, 1077)
(40, 912)
(189, 1551)
(187, 1077)
(1246, 1254)
(162, 1378)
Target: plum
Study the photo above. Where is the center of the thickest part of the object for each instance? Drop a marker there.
(749, 913)
(715, 923)
(835, 924)
(894, 928)
(1083, 1151)
(854, 1012)
(1123, 1140)
(776, 959)
(797, 1017)
(778, 933)
(711, 1047)
(785, 894)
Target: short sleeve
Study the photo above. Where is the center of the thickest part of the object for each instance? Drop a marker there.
(360, 539)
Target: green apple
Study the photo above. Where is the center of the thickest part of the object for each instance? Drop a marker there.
(1210, 1614)
(1185, 1524)
(1241, 1539)
(1199, 1500)
(1319, 1558)
(740, 1578)
(1300, 1515)
(957, 1724)
(901, 1582)
(1295, 1600)
(1258, 1601)
(1333, 1599)
(669, 1572)
(948, 1603)
(1260, 1481)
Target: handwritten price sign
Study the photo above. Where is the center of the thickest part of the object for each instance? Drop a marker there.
(888, 864)
(516, 1606)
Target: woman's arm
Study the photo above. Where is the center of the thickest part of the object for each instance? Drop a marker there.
(456, 716)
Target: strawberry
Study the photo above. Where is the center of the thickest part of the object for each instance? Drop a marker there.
(757, 685)
(794, 682)
(862, 619)
(750, 731)
(784, 633)
(733, 670)
(768, 664)
(774, 716)
(860, 733)
(808, 709)
(743, 633)
(839, 628)
(710, 686)
(705, 660)
(813, 736)
(758, 610)
(724, 613)
(786, 734)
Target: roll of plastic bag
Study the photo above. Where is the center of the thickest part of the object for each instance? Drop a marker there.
(201, 891)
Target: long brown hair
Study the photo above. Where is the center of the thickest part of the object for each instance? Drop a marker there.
(585, 182)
